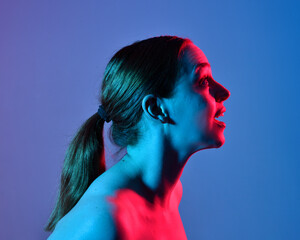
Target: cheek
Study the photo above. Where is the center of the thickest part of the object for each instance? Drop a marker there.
(203, 109)
(194, 111)
(209, 106)
(205, 115)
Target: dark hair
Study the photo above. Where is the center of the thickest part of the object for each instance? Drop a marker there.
(150, 66)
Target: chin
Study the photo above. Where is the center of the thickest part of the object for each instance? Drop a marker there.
(220, 144)
(217, 142)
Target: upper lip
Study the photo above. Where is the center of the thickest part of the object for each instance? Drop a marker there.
(220, 111)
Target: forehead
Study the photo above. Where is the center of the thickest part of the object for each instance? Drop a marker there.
(195, 59)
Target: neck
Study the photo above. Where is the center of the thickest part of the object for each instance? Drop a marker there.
(157, 166)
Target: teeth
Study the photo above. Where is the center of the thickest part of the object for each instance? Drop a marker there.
(219, 115)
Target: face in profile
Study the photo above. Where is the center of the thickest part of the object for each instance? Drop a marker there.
(198, 100)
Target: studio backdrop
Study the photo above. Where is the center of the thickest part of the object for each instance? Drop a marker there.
(52, 58)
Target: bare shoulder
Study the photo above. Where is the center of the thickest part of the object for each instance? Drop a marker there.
(90, 219)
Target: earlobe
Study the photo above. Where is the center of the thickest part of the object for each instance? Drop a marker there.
(164, 118)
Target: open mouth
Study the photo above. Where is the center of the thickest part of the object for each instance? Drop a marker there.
(220, 113)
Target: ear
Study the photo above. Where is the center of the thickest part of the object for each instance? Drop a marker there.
(154, 108)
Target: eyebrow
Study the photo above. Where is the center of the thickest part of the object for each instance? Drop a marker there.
(200, 65)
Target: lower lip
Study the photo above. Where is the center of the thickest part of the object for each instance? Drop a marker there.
(222, 124)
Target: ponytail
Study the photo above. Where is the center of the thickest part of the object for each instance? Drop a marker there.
(83, 163)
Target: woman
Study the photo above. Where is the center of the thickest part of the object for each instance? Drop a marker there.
(162, 100)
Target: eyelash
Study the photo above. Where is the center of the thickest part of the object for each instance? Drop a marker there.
(203, 80)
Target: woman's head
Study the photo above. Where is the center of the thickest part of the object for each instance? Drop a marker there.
(169, 68)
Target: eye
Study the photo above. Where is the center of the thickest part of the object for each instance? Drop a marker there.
(204, 82)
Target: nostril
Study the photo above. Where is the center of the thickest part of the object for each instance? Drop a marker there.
(223, 97)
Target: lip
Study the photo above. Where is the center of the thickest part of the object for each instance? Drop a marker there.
(222, 124)
(220, 111)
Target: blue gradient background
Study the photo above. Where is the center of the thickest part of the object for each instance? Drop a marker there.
(53, 55)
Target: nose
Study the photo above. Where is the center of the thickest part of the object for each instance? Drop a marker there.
(220, 93)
